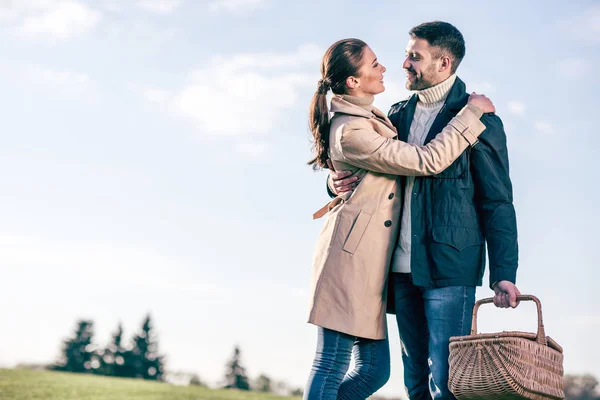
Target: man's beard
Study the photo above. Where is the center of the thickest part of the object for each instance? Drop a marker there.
(426, 80)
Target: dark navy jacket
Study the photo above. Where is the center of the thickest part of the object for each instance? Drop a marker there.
(455, 213)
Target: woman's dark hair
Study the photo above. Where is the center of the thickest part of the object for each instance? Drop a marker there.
(342, 60)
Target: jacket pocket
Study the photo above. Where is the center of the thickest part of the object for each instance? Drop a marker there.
(357, 231)
(459, 238)
(458, 169)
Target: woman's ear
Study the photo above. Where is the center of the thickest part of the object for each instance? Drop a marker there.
(352, 82)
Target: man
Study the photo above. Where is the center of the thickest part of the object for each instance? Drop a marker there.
(447, 219)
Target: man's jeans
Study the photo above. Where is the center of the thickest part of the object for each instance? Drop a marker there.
(427, 318)
(330, 378)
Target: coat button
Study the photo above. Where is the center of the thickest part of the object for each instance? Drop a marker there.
(391, 196)
(388, 223)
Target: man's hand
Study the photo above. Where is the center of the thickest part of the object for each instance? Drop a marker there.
(339, 182)
(506, 294)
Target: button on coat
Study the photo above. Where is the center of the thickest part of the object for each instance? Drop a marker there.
(348, 291)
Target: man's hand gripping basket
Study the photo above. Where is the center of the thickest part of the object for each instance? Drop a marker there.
(506, 365)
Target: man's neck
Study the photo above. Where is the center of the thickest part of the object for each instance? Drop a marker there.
(438, 92)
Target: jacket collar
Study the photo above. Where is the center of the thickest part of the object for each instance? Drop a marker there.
(406, 117)
(341, 106)
(456, 100)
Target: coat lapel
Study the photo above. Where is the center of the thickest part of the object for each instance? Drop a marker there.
(341, 106)
(456, 100)
(406, 117)
(381, 117)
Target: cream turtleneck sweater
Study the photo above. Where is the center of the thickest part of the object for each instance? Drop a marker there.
(429, 105)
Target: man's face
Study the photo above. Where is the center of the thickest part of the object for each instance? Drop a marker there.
(420, 66)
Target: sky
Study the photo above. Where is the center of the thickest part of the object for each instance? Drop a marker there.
(153, 157)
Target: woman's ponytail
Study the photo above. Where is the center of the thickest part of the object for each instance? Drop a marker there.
(318, 121)
(342, 60)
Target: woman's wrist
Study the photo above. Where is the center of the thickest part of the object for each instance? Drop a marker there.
(475, 110)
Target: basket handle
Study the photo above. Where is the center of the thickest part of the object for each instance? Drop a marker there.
(541, 333)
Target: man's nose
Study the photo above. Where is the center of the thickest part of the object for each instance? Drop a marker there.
(406, 64)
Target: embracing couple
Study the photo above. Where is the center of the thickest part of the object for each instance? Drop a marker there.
(416, 197)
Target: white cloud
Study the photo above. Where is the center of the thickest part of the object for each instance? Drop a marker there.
(41, 76)
(143, 268)
(151, 94)
(253, 149)
(246, 93)
(585, 26)
(544, 127)
(15, 8)
(573, 68)
(140, 33)
(113, 6)
(157, 96)
(7, 14)
(49, 19)
(159, 6)
(74, 82)
(516, 107)
(236, 6)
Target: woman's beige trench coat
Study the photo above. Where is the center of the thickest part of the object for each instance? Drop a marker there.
(352, 258)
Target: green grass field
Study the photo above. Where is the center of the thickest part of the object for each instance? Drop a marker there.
(18, 384)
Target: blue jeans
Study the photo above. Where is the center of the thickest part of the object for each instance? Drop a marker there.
(330, 378)
(427, 318)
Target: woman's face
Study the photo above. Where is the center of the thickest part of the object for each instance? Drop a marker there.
(369, 81)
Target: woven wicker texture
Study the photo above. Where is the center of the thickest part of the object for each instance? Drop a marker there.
(506, 365)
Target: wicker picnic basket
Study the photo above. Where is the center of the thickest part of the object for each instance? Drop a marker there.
(506, 365)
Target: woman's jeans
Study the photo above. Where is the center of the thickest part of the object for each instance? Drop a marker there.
(427, 318)
(330, 378)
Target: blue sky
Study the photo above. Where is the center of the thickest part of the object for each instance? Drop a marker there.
(153, 157)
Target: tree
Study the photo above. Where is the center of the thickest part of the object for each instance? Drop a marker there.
(235, 377)
(144, 361)
(112, 358)
(196, 381)
(263, 384)
(78, 351)
(581, 387)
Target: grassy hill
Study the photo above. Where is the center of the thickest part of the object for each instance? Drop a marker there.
(18, 384)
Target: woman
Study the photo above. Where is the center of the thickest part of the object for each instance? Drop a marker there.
(355, 246)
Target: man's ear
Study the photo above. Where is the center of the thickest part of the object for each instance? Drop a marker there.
(352, 82)
(445, 64)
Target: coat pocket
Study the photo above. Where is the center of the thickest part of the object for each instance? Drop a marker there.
(357, 231)
(459, 238)
(458, 169)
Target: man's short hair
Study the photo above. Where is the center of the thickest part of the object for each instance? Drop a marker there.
(445, 37)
